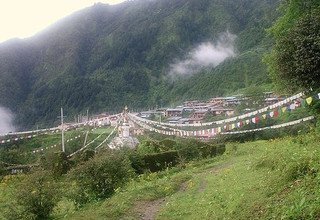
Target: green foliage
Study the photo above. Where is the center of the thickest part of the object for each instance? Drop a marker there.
(245, 70)
(99, 177)
(37, 194)
(161, 161)
(56, 163)
(83, 156)
(170, 153)
(294, 60)
(11, 155)
(2, 170)
(148, 146)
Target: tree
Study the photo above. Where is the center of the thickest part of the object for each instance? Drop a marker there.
(295, 59)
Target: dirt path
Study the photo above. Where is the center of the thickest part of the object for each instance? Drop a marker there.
(147, 210)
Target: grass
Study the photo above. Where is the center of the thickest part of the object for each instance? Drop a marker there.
(27, 146)
(274, 179)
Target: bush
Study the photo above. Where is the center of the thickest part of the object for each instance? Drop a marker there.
(168, 144)
(137, 162)
(212, 150)
(2, 170)
(83, 156)
(148, 147)
(160, 161)
(188, 150)
(57, 163)
(37, 194)
(98, 178)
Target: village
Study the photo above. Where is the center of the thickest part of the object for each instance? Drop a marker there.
(196, 111)
(190, 112)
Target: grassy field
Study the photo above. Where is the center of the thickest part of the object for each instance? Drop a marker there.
(274, 179)
(52, 143)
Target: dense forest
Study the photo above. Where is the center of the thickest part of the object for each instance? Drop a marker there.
(104, 57)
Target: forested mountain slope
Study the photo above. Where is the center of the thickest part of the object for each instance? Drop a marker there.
(104, 57)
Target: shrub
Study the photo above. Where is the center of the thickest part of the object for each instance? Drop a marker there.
(148, 147)
(2, 170)
(168, 144)
(137, 162)
(99, 177)
(160, 161)
(57, 163)
(37, 194)
(83, 156)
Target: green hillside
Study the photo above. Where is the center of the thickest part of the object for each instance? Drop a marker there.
(104, 57)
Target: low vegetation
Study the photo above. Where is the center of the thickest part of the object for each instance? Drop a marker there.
(275, 178)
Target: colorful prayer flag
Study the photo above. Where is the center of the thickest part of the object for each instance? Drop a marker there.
(309, 100)
(284, 109)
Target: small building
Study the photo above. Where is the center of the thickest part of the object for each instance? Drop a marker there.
(174, 112)
(273, 100)
(183, 121)
(217, 101)
(232, 101)
(222, 111)
(190, 103)
(200, 114)
(146, 114)
(195, 120)
(174, 120)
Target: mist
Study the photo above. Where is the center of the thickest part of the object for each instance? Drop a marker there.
(207, 54)
(6, 121)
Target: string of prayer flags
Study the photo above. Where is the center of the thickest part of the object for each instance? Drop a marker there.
(275, 113)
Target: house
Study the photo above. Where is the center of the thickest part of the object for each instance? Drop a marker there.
(226, 101)
(190, 103)
(195, 120)
(146, 114)
(183, 121)
(273, 100)
(231, 101)
(217, 101)
(174, 112)
(200, 114)
(222, 111)
(174, 119)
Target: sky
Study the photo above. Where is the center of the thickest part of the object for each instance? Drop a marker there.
(24, 18)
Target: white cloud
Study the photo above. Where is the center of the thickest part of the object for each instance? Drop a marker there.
(205, 55)
(6, 119)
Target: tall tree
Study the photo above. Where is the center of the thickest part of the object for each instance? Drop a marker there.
(295, 58)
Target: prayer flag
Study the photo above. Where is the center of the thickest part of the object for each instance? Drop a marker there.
(309, 100)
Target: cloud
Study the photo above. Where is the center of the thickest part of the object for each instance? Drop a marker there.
(6, 121)
(206, 54)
